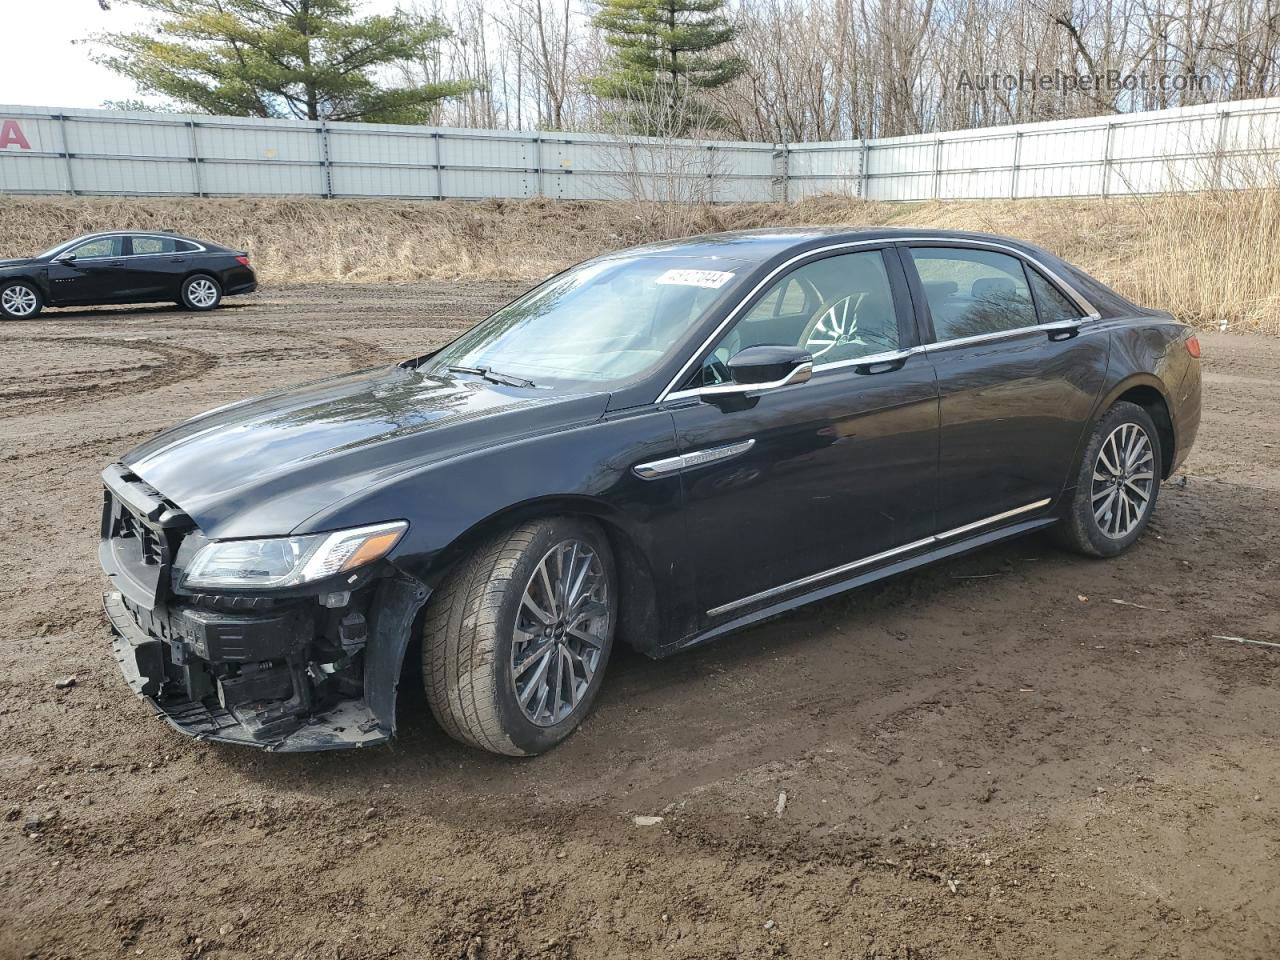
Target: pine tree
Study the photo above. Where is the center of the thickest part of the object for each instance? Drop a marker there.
(310, 59)
(664, 53)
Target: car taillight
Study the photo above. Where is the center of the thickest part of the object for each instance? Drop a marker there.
(1193, 346)
(244, 262)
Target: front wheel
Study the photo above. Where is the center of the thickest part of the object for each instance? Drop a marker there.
(1117, 487)
(201, 292)
(20, 300)
(516, 639)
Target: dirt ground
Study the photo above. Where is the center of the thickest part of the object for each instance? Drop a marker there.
(1018, 754)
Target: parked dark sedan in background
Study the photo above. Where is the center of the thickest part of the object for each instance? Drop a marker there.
(124, 267)
(656, 447)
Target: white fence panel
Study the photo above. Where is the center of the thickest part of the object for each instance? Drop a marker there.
(43, 150)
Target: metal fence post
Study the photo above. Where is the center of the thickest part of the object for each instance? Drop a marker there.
(537, 159)
(66, 152)
(711, 173)
(1220, 150)
(781, 173)
(195, 159)
(324, 159)
(1106, 160)
(937, 167)
(1013, 173)
(863, 168)
(439, 165)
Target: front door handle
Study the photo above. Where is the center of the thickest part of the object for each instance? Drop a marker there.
(883, 363)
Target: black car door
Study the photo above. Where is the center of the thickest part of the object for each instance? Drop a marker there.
(1019, 370)
(154, 266)
(88, 273)
(806, 481)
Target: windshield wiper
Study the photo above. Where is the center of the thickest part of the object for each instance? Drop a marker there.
(506, 379)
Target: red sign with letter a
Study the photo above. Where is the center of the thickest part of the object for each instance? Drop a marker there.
(11, 135)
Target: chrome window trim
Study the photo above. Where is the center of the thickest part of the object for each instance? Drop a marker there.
(800, 374)
(656, 469)
(874, 558)
(890, 356)
(72, 244)
(1090, 311)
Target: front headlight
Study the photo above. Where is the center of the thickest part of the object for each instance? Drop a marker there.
(289, 561)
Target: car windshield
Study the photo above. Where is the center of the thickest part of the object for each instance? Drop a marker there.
(602, 322)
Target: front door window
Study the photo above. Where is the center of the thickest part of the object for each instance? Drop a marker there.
(838, 308)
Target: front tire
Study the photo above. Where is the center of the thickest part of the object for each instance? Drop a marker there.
(1116, 489)
(20, 300)
(517, 638)
(201, 292)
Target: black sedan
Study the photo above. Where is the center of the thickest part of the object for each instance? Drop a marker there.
(656, 447)
(124, 267)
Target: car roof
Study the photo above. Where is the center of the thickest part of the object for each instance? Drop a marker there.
(769, 244)
(763, 244)
(139, 233)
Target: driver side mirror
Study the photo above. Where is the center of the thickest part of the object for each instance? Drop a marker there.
(764, 368)
(65, 258)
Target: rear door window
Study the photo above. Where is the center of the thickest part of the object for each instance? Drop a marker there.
(973, 292)
(1052, 302)
(148, 245)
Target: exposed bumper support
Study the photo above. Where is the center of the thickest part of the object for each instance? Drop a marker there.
(349, 724)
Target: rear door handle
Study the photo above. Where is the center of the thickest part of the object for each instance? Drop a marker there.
(1062, 329)
(177, 259)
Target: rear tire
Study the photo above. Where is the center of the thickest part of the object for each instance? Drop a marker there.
(506, 660)
(201, 292)
(1117, 486)
(20, 300)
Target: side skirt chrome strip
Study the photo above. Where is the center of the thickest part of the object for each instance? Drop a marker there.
(666, 467)
(874, 558)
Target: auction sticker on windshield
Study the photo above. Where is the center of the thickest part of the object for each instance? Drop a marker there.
(711, 279)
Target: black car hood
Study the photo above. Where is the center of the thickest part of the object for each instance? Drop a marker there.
(262, 467)
(20, 262)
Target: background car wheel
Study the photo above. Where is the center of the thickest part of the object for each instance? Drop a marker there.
(201, 292)
(516, 639)
(20, 301)
(1117, 486)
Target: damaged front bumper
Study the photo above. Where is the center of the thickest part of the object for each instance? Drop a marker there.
(295, 672)
(253, 710)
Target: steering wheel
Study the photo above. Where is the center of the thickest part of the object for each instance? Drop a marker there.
(836, 323)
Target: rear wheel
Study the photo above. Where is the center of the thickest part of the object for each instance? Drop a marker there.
(1117, 486)
(201, 292)
(20, 300)
(516, 639)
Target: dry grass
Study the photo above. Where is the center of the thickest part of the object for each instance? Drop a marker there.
(1210, 258)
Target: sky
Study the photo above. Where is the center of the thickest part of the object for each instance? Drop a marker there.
(42, 64)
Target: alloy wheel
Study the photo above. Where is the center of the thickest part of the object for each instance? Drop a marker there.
(561, 630)
(19, 300)
(202, 292)
(1123, 479)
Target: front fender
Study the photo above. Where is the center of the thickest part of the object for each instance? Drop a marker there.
(454, 504)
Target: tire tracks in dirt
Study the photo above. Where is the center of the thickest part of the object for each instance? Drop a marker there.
(184, 363)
